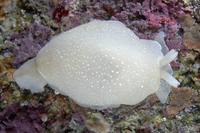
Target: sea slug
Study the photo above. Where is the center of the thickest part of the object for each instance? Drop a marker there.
(101, 64)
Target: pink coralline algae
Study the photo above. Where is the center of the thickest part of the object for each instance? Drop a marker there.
(21, 119)
(146, 18)
(149, 17)
(162, 13)
(28, 42)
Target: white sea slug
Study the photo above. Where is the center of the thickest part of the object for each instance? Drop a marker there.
(101, 64)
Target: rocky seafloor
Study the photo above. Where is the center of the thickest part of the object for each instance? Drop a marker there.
(27, 25)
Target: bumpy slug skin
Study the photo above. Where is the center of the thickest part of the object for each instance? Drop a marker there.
(101, 64)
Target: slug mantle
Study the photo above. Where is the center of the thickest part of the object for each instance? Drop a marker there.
(101, 64)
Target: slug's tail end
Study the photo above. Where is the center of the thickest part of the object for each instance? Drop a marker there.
(28, 77)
